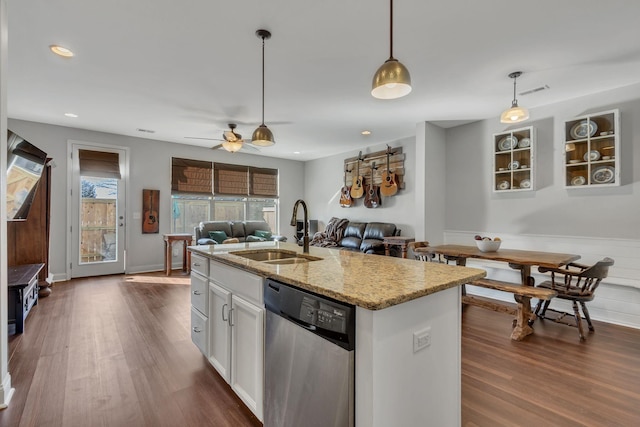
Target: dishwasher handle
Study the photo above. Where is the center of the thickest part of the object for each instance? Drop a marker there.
(300, 323)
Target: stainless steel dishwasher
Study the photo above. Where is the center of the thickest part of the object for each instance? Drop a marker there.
(309, 359)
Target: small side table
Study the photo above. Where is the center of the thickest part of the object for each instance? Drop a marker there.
(401, 241)
(22, 284)
(186, 239)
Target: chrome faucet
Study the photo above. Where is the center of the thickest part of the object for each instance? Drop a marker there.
(305, 237)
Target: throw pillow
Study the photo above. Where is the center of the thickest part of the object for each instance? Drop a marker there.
(218, 236)
(252, 238)
(262, 233)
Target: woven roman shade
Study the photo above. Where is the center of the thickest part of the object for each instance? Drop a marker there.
(99, 164)
(190, 176)
(230, 180)
(264, 182)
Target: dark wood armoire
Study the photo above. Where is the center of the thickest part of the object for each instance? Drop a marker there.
(28, 241)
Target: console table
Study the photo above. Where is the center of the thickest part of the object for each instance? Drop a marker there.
(23, 294)
(186, 239)
(401, 241)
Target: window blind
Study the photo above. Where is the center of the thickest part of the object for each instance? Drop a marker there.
(230, 180)
(191, 176)
(99, 164)
(264, 182)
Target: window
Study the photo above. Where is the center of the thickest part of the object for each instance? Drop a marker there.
(205, 191)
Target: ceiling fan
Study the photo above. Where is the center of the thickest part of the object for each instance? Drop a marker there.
(231, 141)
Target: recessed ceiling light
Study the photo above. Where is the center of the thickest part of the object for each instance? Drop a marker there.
(145, 130)
(366, 132)
(296, 152)
(62, 51)
(72, 115)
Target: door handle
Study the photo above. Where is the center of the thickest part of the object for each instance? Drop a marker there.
(197, 330)
(223, 319)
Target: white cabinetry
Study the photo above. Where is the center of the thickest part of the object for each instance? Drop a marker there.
(514, 160)
(236, 332)
(592, 151)
(199, 303)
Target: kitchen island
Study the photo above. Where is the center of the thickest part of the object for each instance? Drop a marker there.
(408, 313)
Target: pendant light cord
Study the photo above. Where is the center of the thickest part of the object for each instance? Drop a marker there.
(262, 80)
(391, 29)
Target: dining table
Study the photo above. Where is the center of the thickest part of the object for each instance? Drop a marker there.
(517, 259)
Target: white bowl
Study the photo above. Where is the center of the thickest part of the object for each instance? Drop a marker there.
(488, 245)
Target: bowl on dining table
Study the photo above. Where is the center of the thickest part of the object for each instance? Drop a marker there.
(488, 245)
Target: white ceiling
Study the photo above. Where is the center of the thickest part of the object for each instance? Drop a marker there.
(187, 68)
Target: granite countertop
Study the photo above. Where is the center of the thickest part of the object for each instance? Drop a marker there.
(373, 282)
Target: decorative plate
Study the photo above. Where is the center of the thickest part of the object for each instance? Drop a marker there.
(603, 175)
(504, 185)
(507, 143)
(524, 143)
(583, 128)
(592, 155)
(514, 165)
(578, 180)
(525, 183)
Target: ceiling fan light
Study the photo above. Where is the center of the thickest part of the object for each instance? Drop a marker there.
(515, 114)
(392, 80)
(262, 136)
(232, 146)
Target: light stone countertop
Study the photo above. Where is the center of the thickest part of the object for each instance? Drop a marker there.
(373, 282)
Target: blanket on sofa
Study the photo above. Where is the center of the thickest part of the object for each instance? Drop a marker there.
(332, 235)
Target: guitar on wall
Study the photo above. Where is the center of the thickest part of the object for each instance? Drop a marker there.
(149, 224)
(357, 190)
(345, 196)
(372, 199)
(389, 185)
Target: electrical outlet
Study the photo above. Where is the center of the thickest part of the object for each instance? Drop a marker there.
(421, 339)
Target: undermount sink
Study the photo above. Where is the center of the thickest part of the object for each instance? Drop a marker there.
(275, 256)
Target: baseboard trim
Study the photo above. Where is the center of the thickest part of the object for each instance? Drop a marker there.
(6, 391)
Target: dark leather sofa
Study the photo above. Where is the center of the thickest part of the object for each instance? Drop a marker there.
(241, 230)
(367, 237)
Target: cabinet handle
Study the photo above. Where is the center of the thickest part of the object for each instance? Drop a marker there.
(197, 330)
(223, 319)
(231, 316)
(196, 292)
(197, 264)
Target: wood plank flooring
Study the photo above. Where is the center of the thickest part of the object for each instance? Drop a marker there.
(116, 351)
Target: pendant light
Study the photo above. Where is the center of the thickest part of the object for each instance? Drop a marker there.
(392, 80)
(262, 136)
(515, 114)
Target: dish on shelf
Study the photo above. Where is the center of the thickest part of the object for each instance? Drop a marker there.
(592, 155)
(508, 143)
(606, 157)
(578, 180)
(504, 185)
(603, 175)
(583, 128)
(573, 161)
(514, 165)
(524, 143)
(525, 183)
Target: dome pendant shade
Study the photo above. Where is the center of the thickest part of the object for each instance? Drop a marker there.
(515, 114)
(392, 80)
(262, 136)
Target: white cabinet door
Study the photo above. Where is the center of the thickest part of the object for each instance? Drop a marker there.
(219, 331)
(247, 352)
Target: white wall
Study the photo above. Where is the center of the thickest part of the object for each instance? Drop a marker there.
(325, 177)
(150, 168)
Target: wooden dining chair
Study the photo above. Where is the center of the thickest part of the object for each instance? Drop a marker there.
(577, 283)
(418, 255)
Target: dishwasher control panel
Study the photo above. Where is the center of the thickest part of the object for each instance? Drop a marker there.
(323, 315)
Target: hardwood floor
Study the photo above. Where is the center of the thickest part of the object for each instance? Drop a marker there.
(116, 351)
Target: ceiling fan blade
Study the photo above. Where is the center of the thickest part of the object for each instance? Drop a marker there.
(207, 139)
(215, 147)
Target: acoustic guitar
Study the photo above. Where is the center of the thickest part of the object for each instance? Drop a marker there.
(357, 190)
(389, 185)
(372, 199)
(345, 196)
(150, 217)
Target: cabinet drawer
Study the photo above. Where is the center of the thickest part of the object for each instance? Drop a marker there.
(199, 264)
(199, 292)
(199, 324)
(239, 282)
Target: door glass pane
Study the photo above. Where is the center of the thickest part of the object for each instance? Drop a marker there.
(98, 212)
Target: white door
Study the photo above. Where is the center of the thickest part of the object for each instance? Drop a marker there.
(247, 353)
(97, 210)
(219, 330)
